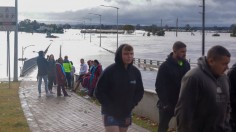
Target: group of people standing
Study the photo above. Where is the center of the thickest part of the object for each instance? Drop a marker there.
(200, 97)
(58, 72)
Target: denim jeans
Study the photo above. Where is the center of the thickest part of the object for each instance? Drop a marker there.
(45, 79)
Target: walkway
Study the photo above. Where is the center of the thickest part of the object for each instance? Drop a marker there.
(59, 114)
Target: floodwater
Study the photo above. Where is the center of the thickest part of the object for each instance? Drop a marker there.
(76, 45)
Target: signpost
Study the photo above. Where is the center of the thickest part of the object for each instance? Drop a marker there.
(8, 23)
(7, 18)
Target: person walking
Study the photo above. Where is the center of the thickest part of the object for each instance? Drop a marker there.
(42, 64)
(232, 78)
(119, 89)
(203, 104)
(51, 72)
(168, 82)
(61, 78)
(67, 66)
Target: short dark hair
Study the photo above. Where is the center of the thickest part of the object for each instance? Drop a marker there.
(96, 61)
(216, 52)
(128, 47)
(178, 45)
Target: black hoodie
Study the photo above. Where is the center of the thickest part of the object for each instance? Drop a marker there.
(118, 89)
(232, 77)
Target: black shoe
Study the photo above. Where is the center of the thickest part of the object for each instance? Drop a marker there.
(58, 95)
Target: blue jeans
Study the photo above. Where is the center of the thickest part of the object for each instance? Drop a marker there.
(45, 79)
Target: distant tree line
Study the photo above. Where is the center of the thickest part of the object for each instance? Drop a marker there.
(33, 26)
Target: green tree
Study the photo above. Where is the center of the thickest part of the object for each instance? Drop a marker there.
(187, 27)
(129, 28)
(233, 30)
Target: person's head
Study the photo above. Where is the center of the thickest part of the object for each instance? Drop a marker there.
(41, 53)
(66, 57)
(179, 50)
(51, 57)
(89, 62)
(124, 54)
(218, 59)
(60, 60)
(95, 62)
(82, 61)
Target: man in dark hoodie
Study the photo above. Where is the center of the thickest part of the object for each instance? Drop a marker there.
(203, 104)
(232, 79)
(168, 82)
(42, 72)
(119, 89)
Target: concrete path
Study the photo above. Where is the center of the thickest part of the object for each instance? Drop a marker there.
(60, 114)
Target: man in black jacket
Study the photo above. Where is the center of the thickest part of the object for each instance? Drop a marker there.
(119, 89)
(232, 79)
(42, 72)
(168, 83)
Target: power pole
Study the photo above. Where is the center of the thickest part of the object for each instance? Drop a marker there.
(177, 27)
(203, 27)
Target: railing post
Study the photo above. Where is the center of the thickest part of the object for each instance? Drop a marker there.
(144, 61)
(158, 63)
(150, 62)
(138, 62)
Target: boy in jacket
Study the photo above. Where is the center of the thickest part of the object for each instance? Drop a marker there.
(119, 89)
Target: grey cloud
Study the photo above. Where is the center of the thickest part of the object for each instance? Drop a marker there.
(220, 13)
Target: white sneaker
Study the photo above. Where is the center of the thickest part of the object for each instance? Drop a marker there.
(86, 97)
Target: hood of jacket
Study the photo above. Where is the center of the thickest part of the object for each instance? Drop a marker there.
(118, 56)
(202, 63)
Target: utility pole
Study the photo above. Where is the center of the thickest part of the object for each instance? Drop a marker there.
(203, 27)
(177, 27)
(15, 78)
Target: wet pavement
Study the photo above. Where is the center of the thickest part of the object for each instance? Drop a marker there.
(59, 114)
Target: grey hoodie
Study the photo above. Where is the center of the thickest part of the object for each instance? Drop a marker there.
(203, 104)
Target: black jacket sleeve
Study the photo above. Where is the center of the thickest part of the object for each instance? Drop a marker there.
(162, 83)
(139, 91)
(102, 89)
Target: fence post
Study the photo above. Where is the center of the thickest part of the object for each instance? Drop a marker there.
(138, 62)
(158, 63)
(144, 67)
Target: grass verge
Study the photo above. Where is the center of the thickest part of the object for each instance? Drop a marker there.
(12, 118)
(138, 120)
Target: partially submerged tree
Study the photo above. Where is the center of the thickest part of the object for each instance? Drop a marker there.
(129, 28)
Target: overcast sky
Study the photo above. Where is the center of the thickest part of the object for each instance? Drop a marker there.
(143, 12)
